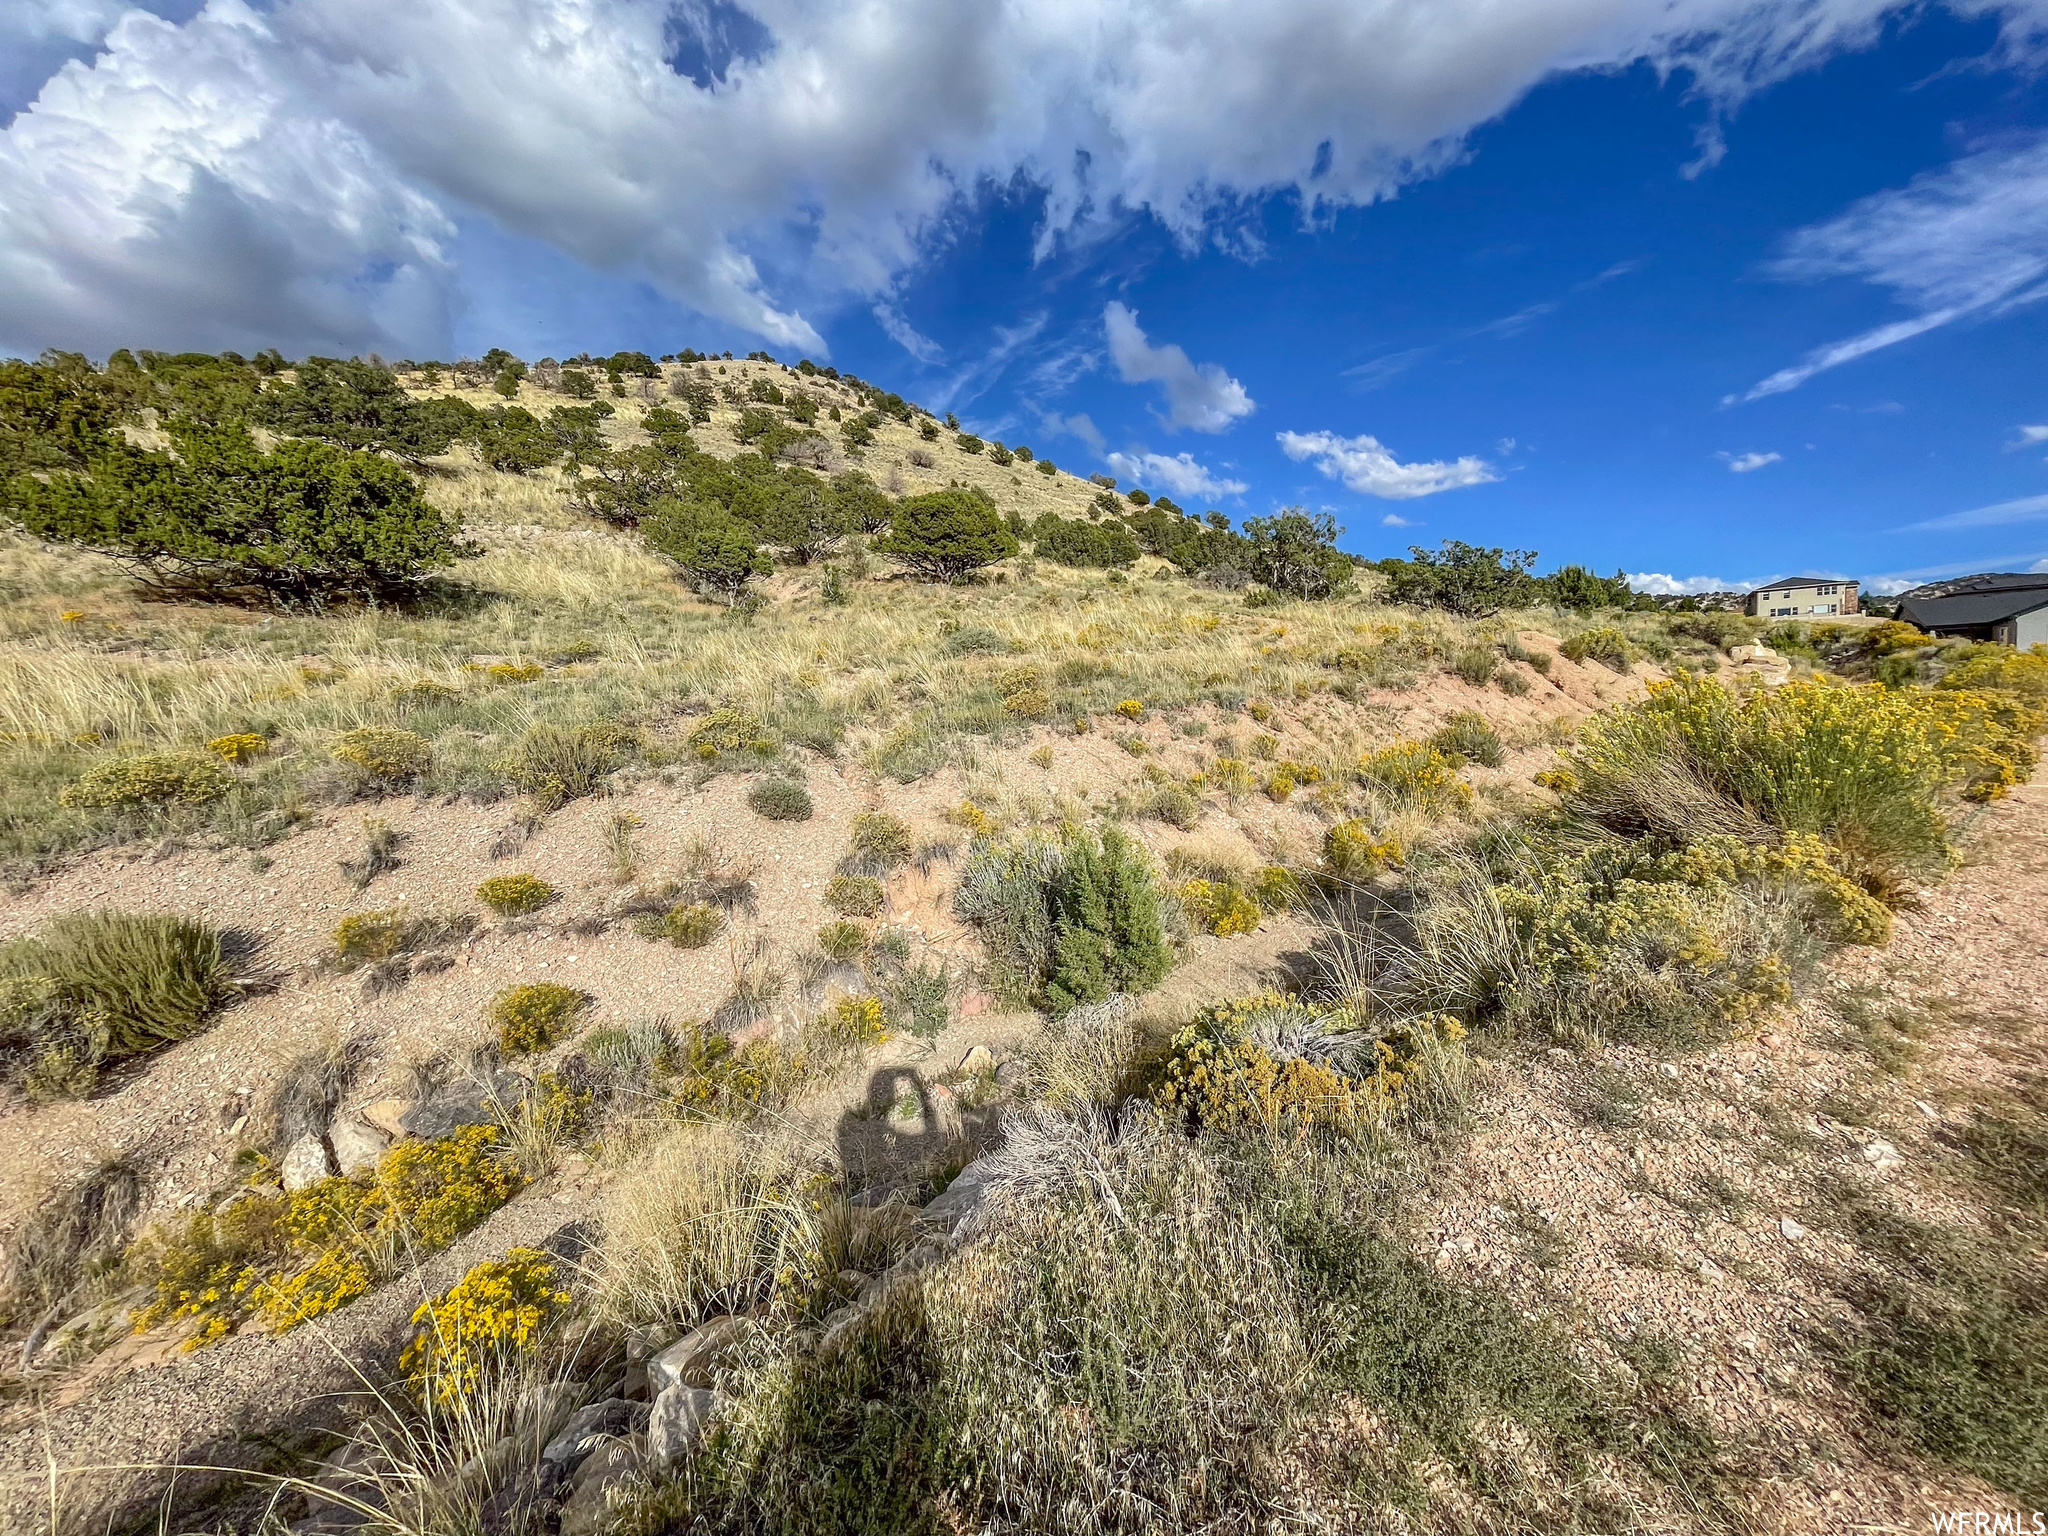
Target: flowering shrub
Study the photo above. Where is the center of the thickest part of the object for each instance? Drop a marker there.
(241, 747)
(1414, 772)
(855, 1022)
(1270, 1064)
(976, 821)
(515, 895)
(1605, 644)
(1864, 766)
(1131, 709)
(167, 778)
(501, 1308)
(1222, 907)
(1024, 694)
(364, 937)
(384, 755)
(1231, 776)
(729, 730)
(296, 1257)
(1276, 888)
(534, 1016)
(1352, 852)
(1999, 668)
(1280, 785)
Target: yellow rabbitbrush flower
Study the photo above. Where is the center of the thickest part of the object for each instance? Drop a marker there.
(1221, 907)
(1418, 774)
(500, 1309)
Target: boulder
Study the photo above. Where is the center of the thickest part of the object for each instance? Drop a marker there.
(680, 1417)
(691, 1360)
(587, 1509)
(1013, 1074)
(463, 1104)
(306, 1162)
(589, 1427)
(978, 1062)
(963, 1197)
(387, 1115)
(357, 1145)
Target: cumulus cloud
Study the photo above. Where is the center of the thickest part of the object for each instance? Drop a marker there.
(1657, 584)
(1749, 463)
(1968, 239)
(1367, 466)
(1396, 520)
(291, 171)
(1199, 396)
(1178, 476)
(2030, 437)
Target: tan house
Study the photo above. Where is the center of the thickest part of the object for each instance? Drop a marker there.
(1802, 597)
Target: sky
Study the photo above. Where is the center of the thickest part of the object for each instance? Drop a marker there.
(1706, 291)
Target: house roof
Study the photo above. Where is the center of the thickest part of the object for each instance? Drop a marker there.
(1974, 607)
(1987, 581)
(1805, 581)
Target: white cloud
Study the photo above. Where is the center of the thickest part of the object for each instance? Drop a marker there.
(292, 171)
(2030, 437)
(1077, 425)
(1365, 465)
(1179, 475)
(1748, 463)
(2027, 509)
(1657, 584)
(1396, 520)
(1202, 397)
(1968, 239)
(905, 335)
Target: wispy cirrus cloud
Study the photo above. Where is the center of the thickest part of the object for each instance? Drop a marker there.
(1970, 239)
(2025, 509)
(1368, 466)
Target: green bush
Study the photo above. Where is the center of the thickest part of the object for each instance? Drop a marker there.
(168, 778)
(1468, 735)
(534, 1016)
(1069, 541)
(843, 940)
(559, 763)
(1605, 644)
(944, 535)
(716, 551)
(515, 895)
(687, 924)
(1003, 896)
(1476, 664)
(1107, 935)
(218, 517)
(1177, 806)
(93, 987)
(780, 800)
(880, 840)
(383, 755)
(855, 896)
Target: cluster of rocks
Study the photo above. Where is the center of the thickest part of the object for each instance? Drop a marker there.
(355, 1141)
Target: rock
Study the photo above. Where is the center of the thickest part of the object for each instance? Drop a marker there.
(962, 1198)
(680, 1417)
(334, 1492)
(464, 1104)
(1882, 1155)
(840, 1324)
(587, 1510)
(691, 1360)
(588, 1428)
(1012, 1074)
(357, 1145)
(1771, 1040)
(1927, 1109)
(387, 1115)
(306, 1162)
(974, 1003)
(978, 1062)
(1668, 1069)
(1790, 1230)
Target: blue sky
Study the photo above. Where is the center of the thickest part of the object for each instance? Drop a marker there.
(1709, 293)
